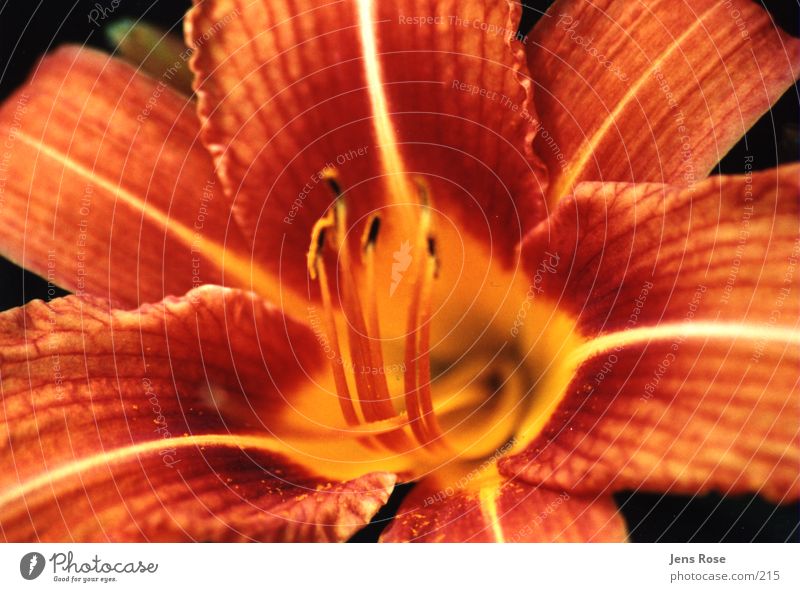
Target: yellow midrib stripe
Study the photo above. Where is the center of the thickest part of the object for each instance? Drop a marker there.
(384, 132)
(752, 332)
(585, 153)
(127, 452)
(488, 501)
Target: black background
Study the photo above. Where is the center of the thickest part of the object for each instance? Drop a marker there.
(30, 28)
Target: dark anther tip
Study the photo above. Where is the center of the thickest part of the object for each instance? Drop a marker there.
(374, 228)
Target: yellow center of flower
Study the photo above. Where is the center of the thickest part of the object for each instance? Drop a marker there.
(437, 353)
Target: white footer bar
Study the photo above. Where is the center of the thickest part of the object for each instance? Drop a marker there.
(390, 568)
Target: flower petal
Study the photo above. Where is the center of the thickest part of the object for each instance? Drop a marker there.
(375, 90)
(688, 380)
(682, 417)
(497, 510)
(145, 425)
(107, 191)
(652, 90)
(735, 235)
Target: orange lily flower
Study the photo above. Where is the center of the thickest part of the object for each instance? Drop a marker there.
(388, 242)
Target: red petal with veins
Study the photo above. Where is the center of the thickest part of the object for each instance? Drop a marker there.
(679, 415)
(688, 380)
(109, 192)
(283, 89)
(652, 90)
(736, 236)
(502, 511)
(145, 425)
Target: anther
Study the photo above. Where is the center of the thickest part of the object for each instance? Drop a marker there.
(317, 243)
(432, 253)
(371, 233)
(423, 191)
(431, 246)
(332, 179)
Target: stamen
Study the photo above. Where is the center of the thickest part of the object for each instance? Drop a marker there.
(363, 326)
(419, 404)
(433, 429)
(342, 390)
(411, 377)
(375, 402)
(383, 401)
(336, 218)
(364, 341)
(368, 257)
(399, 421)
